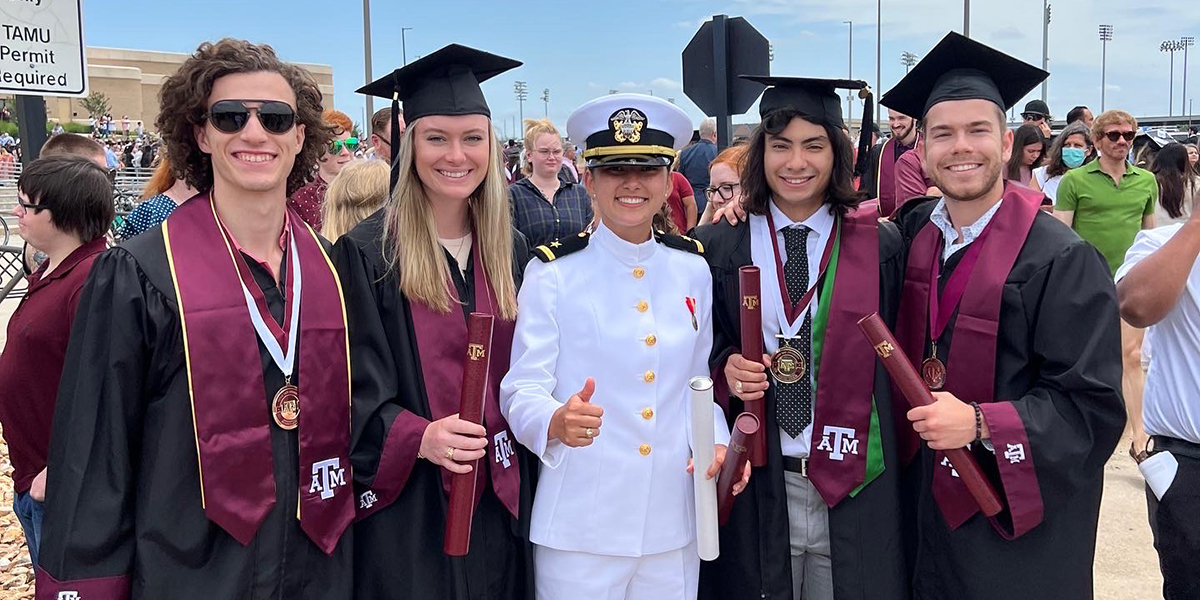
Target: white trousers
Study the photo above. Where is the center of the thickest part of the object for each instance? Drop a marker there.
(566, 575)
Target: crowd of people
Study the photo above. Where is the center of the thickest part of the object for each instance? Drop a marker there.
(432, 364)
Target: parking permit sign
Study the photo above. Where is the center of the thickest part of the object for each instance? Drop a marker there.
(41, 48)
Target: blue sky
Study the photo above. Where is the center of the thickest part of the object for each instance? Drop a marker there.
(581, 50)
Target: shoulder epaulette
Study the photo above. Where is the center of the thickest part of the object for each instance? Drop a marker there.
(562, 247)
(679, 242)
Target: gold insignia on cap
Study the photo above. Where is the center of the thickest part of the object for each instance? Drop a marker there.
(627, 125)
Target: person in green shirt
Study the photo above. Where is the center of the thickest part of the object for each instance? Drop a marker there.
(1107, 202)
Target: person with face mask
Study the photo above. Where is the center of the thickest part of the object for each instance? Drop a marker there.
(1070, 150)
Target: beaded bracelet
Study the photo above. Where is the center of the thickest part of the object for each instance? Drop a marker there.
(978, 422)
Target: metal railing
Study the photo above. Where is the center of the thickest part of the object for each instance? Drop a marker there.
(127, 192)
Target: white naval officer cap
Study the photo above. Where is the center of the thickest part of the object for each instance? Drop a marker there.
(629, 130)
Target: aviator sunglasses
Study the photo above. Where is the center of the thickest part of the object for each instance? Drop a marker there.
(231, 116)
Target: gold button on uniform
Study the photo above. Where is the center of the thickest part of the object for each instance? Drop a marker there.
(643, 306)
(649, 376)
(647, 413)
(651, 340)
(644, 449)
(638, 273)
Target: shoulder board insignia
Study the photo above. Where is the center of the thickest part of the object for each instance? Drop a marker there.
(679, 242)
(562, 247)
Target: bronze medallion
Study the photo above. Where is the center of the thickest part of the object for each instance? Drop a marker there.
(787, 365)
(286, 407)
(933, 371)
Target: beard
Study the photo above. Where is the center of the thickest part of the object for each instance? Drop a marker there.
(967, 191)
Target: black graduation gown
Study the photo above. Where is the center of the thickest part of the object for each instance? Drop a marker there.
(865, 531)
(398, 550)
(1058, 357)
(869, 182)
(124, 483)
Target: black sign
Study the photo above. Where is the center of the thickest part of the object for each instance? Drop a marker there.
(721, 50)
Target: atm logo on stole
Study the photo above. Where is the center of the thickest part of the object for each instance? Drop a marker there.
(843, 442)
(69, 596)
(327, 476)
(504, 449)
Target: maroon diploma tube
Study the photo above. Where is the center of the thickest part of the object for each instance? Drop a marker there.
(909, 381)
(752, 349)
(745, 428)
(462, 485)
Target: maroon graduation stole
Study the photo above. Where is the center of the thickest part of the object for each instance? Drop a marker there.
(971, 364)
(846, 379)
(231, 415)
(441, 340)
(885, 181)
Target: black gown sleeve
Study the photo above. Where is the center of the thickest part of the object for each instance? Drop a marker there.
(88, 538)
(1053, 441)
(385, 436)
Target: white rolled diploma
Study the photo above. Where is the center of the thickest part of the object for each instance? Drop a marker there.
(703, 452)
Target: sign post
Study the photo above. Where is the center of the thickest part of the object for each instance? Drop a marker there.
(41, 53)
(721, 50)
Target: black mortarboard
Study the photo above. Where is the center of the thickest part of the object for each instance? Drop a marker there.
(443, 83)
(817, 99)
(960, 68)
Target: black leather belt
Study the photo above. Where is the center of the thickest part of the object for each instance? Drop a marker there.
(792, 464)
(1176, 446)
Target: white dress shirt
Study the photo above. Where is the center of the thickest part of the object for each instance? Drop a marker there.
(941, 219)
(1171, 403)
(820, 225)
(616, 312)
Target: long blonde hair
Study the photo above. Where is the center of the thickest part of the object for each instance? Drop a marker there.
(359, 190)
(410, 238)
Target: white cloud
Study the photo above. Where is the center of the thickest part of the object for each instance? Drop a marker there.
(664, 82)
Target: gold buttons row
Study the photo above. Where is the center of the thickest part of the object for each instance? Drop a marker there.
(651, 340)
(644, 449)
(643, 306)
(647, 413)
(639, 273)
(648, 377)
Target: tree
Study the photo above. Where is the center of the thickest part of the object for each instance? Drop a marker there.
(356, 132)
(96, 104)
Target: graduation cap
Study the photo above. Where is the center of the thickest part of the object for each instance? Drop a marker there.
(445, 82)
(960, 68)
(818, 100)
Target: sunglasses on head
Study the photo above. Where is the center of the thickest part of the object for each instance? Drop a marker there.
(231, 116)
(351, 144)
(1116, 135)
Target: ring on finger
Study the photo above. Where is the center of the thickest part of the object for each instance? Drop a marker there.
(591, 433)
(737, 386)
(450, 453)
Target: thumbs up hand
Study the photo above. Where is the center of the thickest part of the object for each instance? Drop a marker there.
(577, 422)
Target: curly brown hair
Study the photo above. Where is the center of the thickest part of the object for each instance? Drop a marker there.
(184, 98)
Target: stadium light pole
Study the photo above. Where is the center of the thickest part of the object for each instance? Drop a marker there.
(908, 59)
(1171, 46)
(1106, 32)
(1187, 41)
(367, 52)
(850, 71)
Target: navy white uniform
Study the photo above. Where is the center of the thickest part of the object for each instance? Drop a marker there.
(614, 519)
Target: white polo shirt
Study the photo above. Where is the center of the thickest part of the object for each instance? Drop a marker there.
(1171, 403)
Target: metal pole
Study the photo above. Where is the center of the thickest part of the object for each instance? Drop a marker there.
(403, 46)
(1045, 43)
(1171, 87)
(878, 54)
(367, 53)
(967, 18)
(1187, 41)
(721, 53)
(1106, 32)
(31, 126)
(850, 70)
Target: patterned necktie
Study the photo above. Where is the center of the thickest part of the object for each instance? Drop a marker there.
(794, 402)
